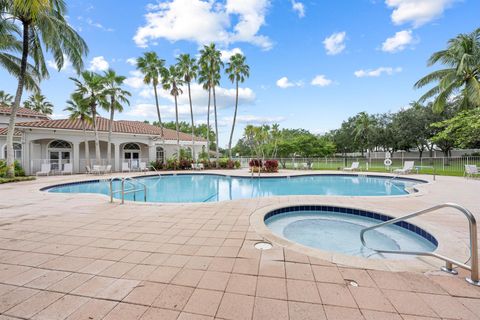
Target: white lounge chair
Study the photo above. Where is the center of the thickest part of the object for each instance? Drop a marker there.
(97, 170)
(408, 167)
(108, 169)
(143, 166)
(45, 169)
(197, 166)
(305, 166)
(354, 167)
(125, 167)
(88, 170)
(67, 169)
(471, 171)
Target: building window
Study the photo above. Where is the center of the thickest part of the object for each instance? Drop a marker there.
(17, 151)
(131, 146)
(59, 154)
(160, 154)
(59, 144)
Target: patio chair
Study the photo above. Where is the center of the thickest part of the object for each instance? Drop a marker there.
(305, 166)
(97, 170)
(108, 169)
(407, 168)
(295, 166)
(45, 169)
(88, 170)
(471, 171)
(143, 166)
(354, 167)
(125, 167)
(67, 169)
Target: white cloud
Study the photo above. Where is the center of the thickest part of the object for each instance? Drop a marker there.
(398, 42)
(94, 24)
(335, 43)
(321, 81)
(417, 12)
(255, 120)
(376, 72)
(226, 54)
(205, 21)
(285, 83)
(67, 64)
(131, 61)
(98, 64)
(299, 8)
(135, 80)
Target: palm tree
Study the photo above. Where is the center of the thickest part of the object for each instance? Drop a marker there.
(37, 102)
(172, 80)
(5, 98)
(40, 21)
(204, 79)
(113, 88)
(461, 73)
(153, 69)
(210, 60)
(363, 129)
(92, 89)
(188, 68)
(237, 71)
(79, 109)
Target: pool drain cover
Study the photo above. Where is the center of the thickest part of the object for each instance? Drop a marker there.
(352, 283)
(263, 245)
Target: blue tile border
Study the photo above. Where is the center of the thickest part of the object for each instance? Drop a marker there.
(357, 212)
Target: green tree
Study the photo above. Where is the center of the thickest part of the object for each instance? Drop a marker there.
(40, 22)
(463, 129)
(461, 74)
(172, 80)
(5, 98)
(363, 131)
(188, 69)
(117, 96)
(38, 102)
(237, 71)
(78, 108)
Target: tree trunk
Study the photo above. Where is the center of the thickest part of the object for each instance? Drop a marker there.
(87, 147)
(16, 103)
(208, 124)
(176, 127)
(233, 124)
(110, 127)
(98, 159)
(159, 120)
(216, 127)
(193, 126)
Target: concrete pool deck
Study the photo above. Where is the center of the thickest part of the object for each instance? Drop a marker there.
(76, 256)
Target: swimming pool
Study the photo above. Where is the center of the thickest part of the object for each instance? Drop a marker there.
(338, 229)
(214, 187)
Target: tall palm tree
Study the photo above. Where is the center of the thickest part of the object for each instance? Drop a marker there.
(39, 103)
(118, 96)
(188, 68)
(92, 89)
(461, 74)
(78, 108)
(237, 71)
(40, 22)
(153, 69)
(172, 80)
(210, 59)
(5, 98)
(204, 79)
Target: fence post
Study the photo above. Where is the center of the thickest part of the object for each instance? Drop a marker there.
(443, 163)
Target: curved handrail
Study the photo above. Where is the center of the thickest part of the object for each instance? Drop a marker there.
(123, 191)
(473, 268)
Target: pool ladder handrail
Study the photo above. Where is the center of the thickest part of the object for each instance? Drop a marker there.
(133, 182)
(449, 262)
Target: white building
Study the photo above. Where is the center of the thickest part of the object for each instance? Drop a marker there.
(39, 140)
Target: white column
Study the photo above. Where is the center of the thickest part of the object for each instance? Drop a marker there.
(116, 156)
(152, 152)
(76, 157)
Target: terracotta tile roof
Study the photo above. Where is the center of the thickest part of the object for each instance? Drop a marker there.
(3, 132)
(123, 126)
(23, 112)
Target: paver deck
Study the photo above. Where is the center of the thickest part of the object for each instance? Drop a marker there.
(71, 256)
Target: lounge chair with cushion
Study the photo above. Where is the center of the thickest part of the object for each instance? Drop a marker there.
(143, 166)
(408, 167)
(354, 167)
(125, 167)
(471, 171)
(45, 169)
(67, 169)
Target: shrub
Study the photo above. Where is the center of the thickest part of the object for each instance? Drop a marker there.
(237, 164)
(19, 172)
(223, 162)
(255, 163)
(271, 166)
(158, 165)
(185, 164)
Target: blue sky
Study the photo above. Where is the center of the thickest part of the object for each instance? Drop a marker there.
(313, 63)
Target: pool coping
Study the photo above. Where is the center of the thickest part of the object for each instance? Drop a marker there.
(419, 263)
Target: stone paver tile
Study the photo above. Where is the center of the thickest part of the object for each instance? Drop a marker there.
(61, 309)
(380, 315)
(140, 272)
(236, 307)
(299, 271)
(342, 313)
(5, 288)
(447, 307)
(97, 266)
(14, 297)
(214, 280)
(65, 263)
(117, 270)
(135, 257)
(336, 295)
(163, 274)
(200, 263)
(275, 253)
(25, 277)
(93, 309)
(389, 280)
(272, 268)
(327, 274)
(126, 311)
(159, 314)
(94, 286)
(270, 309)
(420, 283)
(411, 317)
(275, 288)
(156, 258)
(118, 290)
(9, 271)
(457, 286)
(371, 298)
(145, 293)
(242, 284)
(246, 266)
(305, 311)
(7, 318)
(71, 282)
(173, 297)
(188, 277)
(47, 279)
(302, 291)
(204, 302)
(221, 264)
(472, 304)
(358, 275)
(176, 260)
(34, 304)
(191, 316)
(294, 256)
(408, 303)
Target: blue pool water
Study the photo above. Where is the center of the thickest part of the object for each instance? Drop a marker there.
(211, 188)
(340, 232)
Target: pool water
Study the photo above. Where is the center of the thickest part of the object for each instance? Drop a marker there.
(340, 232)
(211, 188)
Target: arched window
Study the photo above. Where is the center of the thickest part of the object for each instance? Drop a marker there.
(17, 151)
(59, 144)
(131, 146)
(59, 153)
(160, 154)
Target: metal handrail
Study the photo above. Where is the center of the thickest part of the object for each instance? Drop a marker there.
(473, 268)
(124, 192)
